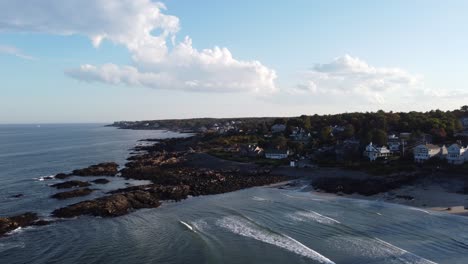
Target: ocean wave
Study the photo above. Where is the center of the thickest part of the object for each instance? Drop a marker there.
(377, 248)
(244, 228)
(303, 216)
(8, 246)
(260, 199)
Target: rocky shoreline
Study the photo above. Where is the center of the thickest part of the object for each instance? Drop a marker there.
(166, 164)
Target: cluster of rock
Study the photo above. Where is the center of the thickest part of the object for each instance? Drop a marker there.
(72, 194)
(123, 201)
(8, 224)
(368, 186)
(101, 169)
(165, 164)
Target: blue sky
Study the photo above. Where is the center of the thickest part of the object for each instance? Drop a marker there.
(274, 58)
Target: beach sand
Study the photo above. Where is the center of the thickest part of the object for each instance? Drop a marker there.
(439, 194)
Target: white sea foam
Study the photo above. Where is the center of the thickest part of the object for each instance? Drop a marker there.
(377, 248)
(43, 178)
(200, 225)
(304, 216)
(244, 228)
(260, 199)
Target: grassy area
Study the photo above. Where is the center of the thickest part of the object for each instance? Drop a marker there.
(257, 160)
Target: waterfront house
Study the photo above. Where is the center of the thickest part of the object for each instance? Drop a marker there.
(276, 154)
(374, 152)
(394, 143)
(457, 154)
(424, 152)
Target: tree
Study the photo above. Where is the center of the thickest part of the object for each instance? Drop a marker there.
(326, 134)
(379, 137)
(348, 131)
(307, 123)
(464, 108)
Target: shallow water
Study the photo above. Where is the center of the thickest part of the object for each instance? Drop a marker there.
(258, 225)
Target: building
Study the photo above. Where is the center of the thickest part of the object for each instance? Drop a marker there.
(425, 152)
(299, 134)
(373, 152)
(464, 122)
(456, 154)
(278, 128)
(250, 150)
(394, 143)
(276, 154)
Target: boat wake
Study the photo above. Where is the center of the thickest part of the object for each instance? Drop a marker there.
(245, 228)
(303, 216)
(189, 227)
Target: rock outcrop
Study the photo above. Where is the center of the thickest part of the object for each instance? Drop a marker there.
(101, 169)
(101, 181)
(124, 201)
(8, 224)
(72, 194)
(70, 184)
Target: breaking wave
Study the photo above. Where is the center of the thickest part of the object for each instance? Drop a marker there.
(304, 216)
(244, 228)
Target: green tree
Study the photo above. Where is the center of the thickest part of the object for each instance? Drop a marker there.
(379, 137)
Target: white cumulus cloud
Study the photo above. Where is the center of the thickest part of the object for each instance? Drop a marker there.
(142, 26)
(352, 77)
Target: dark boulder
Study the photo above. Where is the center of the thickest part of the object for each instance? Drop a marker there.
(62, 176)
(71, 194)
(101, 181)
(70, 184)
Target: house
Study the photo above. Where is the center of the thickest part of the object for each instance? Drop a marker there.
(394, 143)
(278, 128)
(456, 154)
(276, 154)
(373, 152)
(424, 152)
(299, 134)
(250, 150)
(464, 122)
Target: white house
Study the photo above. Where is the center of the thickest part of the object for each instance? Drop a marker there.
(276, 154)
(457, 154)
(373, 152)
(424, 152)
(394, 143)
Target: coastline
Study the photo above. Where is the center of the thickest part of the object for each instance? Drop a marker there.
(434, 194)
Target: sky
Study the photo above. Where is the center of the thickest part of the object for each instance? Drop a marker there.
(68, 61)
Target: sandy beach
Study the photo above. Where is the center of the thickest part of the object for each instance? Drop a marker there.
(439, 194)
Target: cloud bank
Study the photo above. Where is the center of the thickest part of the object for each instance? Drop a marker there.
(142, 26)
(352, 77)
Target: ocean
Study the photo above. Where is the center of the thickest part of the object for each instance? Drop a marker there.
(257, 225)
